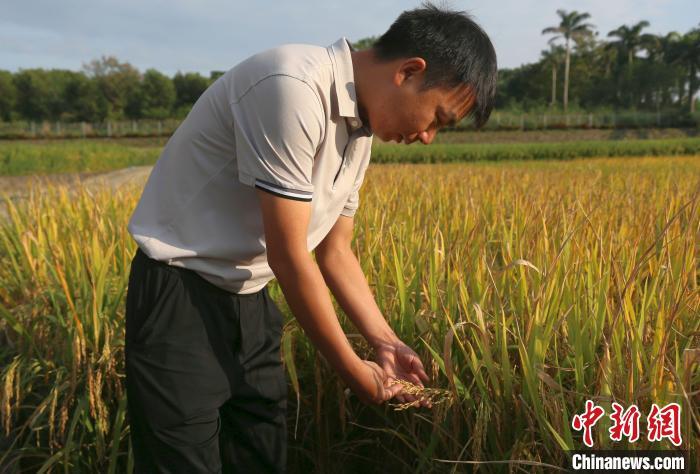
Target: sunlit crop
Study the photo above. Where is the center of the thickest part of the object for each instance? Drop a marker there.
(526, 287)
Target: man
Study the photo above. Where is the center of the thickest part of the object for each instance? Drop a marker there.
(266, 168)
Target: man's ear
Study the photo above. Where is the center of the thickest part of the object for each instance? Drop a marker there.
(409, 69)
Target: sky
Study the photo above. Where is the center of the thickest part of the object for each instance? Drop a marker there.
(206, 35)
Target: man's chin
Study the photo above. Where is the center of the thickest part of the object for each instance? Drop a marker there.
(392, 138)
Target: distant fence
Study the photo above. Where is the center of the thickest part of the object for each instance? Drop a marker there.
(111, 129)
(498, 121)
(547, 121)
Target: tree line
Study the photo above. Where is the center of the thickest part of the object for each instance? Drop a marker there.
(628, 70)
(106, 89)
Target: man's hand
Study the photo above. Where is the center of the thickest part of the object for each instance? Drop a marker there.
(344, 276)
(401, 362)
(285, 222)
(371, 384)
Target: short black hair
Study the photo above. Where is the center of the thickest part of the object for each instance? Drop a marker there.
(457, 51)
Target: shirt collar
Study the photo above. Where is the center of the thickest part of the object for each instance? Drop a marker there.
(345, 82)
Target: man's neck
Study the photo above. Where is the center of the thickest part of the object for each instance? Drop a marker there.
(362, 64)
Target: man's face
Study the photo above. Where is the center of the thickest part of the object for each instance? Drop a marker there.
(406, 113)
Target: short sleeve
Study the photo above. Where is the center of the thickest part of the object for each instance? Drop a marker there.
(278, 123)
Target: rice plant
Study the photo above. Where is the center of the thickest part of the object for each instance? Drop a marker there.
(526, 287)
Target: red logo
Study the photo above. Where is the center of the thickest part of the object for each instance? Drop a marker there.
(625, 423)
(661, 422)
(586, 421)
(665, 423)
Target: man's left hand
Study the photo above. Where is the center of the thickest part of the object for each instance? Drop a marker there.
(401, 362)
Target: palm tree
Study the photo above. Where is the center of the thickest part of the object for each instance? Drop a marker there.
(607, 57)
(660, 48)
(553, 56)
(570, 27)
(631, 40)
(687, 53)
(660, 51)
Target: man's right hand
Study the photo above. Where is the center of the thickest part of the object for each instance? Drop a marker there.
(371, 384)
(286, 222)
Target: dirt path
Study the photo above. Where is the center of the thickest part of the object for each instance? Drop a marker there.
(119, 178)
(17, 188)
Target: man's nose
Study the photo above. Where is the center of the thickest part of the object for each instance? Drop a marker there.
(427, 136)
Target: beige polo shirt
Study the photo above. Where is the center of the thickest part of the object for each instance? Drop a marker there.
(285, 121)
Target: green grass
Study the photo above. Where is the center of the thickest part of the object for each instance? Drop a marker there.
(22, 158)
(446, 153)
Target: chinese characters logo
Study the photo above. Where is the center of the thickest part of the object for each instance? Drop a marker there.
(661, 422)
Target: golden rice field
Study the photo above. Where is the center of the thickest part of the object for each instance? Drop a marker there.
(526, 287)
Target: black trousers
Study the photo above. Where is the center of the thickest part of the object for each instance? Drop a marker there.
(206, 388)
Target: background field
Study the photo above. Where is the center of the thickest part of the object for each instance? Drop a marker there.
(527, 287)
(22, 158)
